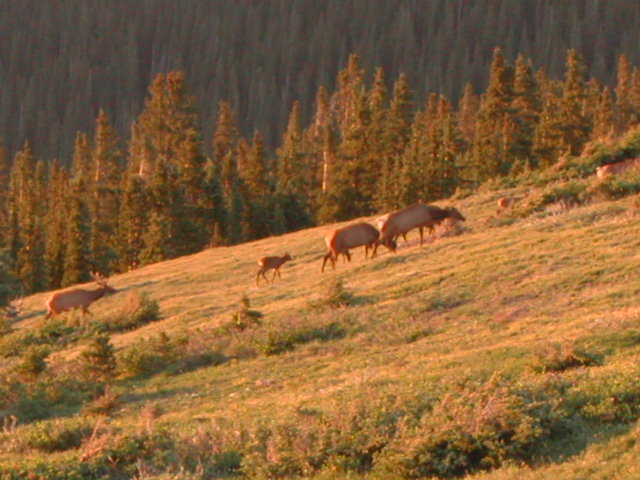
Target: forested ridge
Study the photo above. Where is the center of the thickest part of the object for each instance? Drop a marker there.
(146, 183)
(60, 62)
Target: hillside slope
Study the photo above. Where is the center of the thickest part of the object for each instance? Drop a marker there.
(526, 328)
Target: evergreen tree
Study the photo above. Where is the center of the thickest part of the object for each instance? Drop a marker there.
(132, 223)
(27, 206)
(526, 106)
(623, 106)
(603, 123)
(76, 264)
(575, 126)
(98, 361)
(56, 225)
(107, 164)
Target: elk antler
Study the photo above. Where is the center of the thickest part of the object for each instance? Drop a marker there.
(99, 278)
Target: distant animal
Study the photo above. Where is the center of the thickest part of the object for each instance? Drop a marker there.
(382, 220)
(504, 203)
(618, 167)
(417, 216)
(269, 263)
(341, 240)
(78, 297)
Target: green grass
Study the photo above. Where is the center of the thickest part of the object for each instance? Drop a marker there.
(346, 392)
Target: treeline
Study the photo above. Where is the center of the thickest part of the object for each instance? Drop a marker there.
(60, 62)
(366, 150)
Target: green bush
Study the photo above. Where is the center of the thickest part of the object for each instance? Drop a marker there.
(284, 339)
(137, 310)
(53, 435)
(33, 362)
(556, 357)
(98, 360)
(612, 396)
(244, 317)
(477, 427)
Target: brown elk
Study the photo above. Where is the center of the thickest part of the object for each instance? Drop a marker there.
(341, 240)
(268, 263)
(78, 297)
(417, 216)
(618, 167)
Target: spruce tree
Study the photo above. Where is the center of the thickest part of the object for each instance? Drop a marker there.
(76, 264)
(575, 126)
(56, 222)
(107, 164)
(132, 222)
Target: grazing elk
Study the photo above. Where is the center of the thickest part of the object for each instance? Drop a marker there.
(268, 263)
(618, 167)
(341, 240)
(417, 216)
(78, 297)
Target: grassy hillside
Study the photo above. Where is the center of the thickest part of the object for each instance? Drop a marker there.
(507, 348)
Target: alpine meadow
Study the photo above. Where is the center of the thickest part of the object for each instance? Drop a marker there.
(329, 240)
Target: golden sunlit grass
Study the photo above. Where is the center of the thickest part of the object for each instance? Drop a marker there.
(460, 308)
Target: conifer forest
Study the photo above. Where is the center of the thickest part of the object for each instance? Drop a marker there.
(132, 132)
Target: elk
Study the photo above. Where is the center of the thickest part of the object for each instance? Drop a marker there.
(268, 263)
(341, 240)
(618, 167)
(78, 297)
(418, 216)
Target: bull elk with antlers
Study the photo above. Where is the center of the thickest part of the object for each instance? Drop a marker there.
(78, 297)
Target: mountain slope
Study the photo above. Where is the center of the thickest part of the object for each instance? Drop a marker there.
(488, 309)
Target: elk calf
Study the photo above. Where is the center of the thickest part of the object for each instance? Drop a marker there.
(268, 263)
(78, 297)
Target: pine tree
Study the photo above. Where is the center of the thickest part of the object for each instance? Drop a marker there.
(27, 207)
(56, 225)
(98, 361)
(495, 126)
(107, 172)
(526, 107)
(132, 223)
(575, 126)
(76, 264)
(623, 105)
(295, 177)
(603, 122)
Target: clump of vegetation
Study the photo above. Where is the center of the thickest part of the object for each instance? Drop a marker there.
(245, 317)
(616, 186)
(150, 355)
(556, 357)
(611, 397)
(98, 361)
(105, 404)
(336, 296)
(52, 435)
(33, 362)
(474, 428)
(137, 310)
(284, 338)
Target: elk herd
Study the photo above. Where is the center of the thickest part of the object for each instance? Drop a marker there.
(362, 234)
(339, 242)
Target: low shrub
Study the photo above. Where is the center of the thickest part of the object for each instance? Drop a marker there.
(284, 338)
(52, 435)
(612, 396)
(137, 310)
(556, 357)
(149, 356)
(33, 362)
(477, 427)
(244, 317)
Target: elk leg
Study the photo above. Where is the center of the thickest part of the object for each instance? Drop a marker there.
(421, 235)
